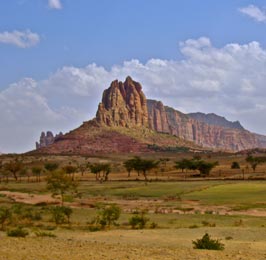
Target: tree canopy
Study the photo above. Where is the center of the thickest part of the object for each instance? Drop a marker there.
(140, 165)
(202, 166)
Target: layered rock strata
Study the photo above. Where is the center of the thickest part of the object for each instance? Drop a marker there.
(167, 120)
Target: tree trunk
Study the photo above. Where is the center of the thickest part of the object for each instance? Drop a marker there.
(15, 176)
(145, 175)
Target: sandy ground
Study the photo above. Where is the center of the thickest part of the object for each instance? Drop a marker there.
(133, 244)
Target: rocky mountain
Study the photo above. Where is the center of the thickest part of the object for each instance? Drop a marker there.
(213, 119)
(127, 122)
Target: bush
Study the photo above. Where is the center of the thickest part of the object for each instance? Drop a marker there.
(207, 243)
(44, 234)
(5, 216)
(153, 225)
(61, 215)
(138, 220)
(208, 224)
(17, 232)
(108, 215)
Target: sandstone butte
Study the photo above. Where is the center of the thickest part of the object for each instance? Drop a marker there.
(126, 122)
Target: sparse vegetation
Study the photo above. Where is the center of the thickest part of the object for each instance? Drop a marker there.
(61, 215)
(138, 220)
(207, 243)
(196, 164)
(17, 232)
(59, 183)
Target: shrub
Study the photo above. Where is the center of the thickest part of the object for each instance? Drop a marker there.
(44, 234)
(5, 216)
(108, 215)
(207, 243)
(228, 238)
(239, 223)
(208, 224)
(194, 226)
(153, 225)
(61, 215)
(17, 232)
(138, 220)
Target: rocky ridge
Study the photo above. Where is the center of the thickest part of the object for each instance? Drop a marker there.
(230, 138)
(213, 119)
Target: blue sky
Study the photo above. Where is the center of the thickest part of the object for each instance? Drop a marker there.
(58, 55)
(110, 32)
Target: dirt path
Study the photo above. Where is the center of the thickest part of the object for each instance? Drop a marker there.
(28, 198)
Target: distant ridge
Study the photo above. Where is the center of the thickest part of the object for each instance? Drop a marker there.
(213, 119)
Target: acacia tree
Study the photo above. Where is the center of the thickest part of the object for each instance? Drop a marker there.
(255, 161)
(129, 165)
(98, 168)
(59, 183)
(37, 172)
(140, 165)
(196, 164)
(51, 166)
(14, 167)
(70, 169)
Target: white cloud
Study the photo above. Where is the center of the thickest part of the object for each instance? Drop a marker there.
(229, 81)
(55, 4)
(21, 39)
(254, 12)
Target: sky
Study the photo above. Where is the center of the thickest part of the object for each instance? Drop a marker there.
(57, 56)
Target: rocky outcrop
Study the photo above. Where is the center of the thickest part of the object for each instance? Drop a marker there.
(47, 139)
(213, 119)
(123, 104)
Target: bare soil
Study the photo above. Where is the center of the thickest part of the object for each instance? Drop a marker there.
(133, 244)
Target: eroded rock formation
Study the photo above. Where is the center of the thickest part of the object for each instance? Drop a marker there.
(123, 104)
(47, 139)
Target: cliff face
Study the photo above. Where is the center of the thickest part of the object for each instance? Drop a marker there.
(123, 104)
(232, 137)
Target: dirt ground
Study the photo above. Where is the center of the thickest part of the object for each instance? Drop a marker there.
(246, 243)
(133, 244)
